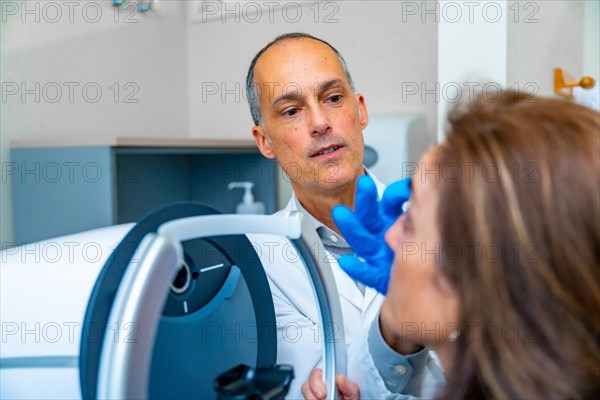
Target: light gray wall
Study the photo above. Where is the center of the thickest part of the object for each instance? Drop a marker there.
(149, 51)
(544, 35)
(591, 40)
(382, 52)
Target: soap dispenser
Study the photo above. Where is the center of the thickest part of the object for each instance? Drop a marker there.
(248, 205)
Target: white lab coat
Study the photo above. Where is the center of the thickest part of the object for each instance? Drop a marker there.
(298, 322)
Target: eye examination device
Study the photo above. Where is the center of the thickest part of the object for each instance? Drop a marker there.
(175, 306)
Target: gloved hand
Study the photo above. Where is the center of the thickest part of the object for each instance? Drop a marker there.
(364, 229)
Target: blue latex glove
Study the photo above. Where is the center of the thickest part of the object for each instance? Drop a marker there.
(365, 228)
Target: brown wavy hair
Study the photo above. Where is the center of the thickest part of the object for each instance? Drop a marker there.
(522, 218)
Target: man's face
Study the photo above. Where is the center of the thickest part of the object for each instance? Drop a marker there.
(313, 121)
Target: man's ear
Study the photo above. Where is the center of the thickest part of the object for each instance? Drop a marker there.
(363, 114)
(260, 136)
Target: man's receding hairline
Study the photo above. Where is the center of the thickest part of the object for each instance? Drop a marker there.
(287, 39)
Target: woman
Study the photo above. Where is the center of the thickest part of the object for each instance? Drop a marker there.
(513, 286)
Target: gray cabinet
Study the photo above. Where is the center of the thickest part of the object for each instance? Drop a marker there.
(60, 189)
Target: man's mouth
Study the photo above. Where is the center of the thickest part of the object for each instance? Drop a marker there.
(326, 151)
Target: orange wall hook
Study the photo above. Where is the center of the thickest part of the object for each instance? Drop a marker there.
(586, 82)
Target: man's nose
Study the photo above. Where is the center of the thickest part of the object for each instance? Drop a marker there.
(320, 123)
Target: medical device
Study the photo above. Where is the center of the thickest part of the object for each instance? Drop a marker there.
(180, 309)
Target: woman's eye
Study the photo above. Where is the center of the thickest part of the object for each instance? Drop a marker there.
(406, 221)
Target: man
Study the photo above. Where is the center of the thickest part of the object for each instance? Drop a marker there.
(308, 117)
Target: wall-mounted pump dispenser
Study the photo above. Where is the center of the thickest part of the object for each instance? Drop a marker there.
(248, 205)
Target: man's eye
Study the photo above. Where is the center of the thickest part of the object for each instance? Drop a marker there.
(335, 98)
(290, 112)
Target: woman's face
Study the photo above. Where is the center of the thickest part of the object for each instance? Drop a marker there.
(422, 301)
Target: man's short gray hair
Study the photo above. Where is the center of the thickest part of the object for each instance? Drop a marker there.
(251, 87)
